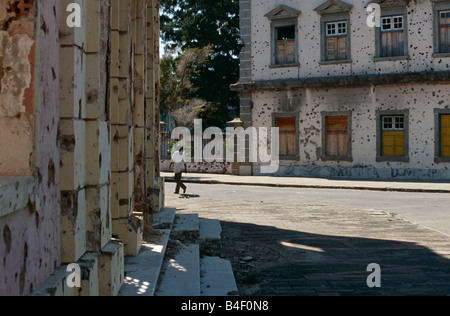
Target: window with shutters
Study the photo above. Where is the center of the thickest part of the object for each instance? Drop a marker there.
(392, 134)
(445, 135)
(284, 36)
(444, 32)
(393, 138)
(442, 130)
(336, 41)
(336, 136)
(335, 32)
(288, 135)
(441, 24)
(285, 45)
(392, 36)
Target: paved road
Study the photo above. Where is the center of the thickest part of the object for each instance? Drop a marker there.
(320, 242)
(431, 210)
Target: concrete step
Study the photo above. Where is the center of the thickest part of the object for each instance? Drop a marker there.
(210, 233)
(217, 277)
(186, 226)
(170, 265)
(142, 272)
(164, 219)
(181, 275)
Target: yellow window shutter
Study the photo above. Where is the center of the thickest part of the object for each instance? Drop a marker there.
(394, 143)
(445, 135)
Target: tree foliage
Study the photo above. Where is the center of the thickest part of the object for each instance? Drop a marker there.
(178, 94)
(196, 24)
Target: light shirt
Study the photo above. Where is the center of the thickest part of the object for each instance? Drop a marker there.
(179, 160)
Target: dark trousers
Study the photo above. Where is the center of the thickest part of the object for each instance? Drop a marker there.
(179, 183)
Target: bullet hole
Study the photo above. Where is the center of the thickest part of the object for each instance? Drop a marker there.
(51, 173)
(39, 176)
(23, 269)
(21, 8)
(7, 238)
(69, 205)
(68, 143)
(37, 220)
(44, 26)
(92, 96)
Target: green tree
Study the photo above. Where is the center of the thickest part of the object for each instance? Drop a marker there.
(178, 95)
(201, 23)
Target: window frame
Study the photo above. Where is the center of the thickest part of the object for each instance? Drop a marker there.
(276, 41)
(394, 122)
(349, 156)
(325, 20)
(437, 121)
(274, 26)
(443, 25)
(439, 6)
(381, 114)
(336, 24)
(392, 23)
(392, 12)
(296, 115)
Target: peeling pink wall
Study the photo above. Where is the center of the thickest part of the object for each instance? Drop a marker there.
(30, 237)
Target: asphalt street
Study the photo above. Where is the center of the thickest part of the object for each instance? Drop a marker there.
(431, 210)
(303, 242)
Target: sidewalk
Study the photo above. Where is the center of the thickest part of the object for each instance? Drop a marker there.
(425, 186)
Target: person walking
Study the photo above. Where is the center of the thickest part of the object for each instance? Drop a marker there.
(179, 163)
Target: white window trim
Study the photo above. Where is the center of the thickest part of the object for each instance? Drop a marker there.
(392, 23)
(336, 27)
(440, 17)
(394, 123)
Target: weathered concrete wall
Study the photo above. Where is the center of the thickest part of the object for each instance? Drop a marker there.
(298, 89)
(17, 104)
(29, 115)
(78, 116)
(420, 42)
(363, 103)
(201, 167)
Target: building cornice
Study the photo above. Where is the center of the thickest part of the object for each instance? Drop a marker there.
(343, 81)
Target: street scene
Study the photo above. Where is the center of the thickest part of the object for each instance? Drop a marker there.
(309, 242)
(211, 151)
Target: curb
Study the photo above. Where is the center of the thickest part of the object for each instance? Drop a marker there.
(311, 186)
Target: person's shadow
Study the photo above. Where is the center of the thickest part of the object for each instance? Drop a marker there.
(188, 196)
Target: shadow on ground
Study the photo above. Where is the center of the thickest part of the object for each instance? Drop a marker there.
(274, 262)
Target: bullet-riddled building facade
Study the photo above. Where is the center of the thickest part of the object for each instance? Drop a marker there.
(350, 99)
(79, 141)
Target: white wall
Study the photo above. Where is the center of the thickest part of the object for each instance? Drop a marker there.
(420, 42)
(420, 99)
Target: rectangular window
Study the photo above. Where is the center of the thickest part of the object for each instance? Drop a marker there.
(393, 136)
(336, 40)
(285, 45)
(444, 32)
(288, 135)
(337, 136)
(445, 135)
(392, 36)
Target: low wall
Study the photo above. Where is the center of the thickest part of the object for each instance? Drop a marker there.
(201, 167)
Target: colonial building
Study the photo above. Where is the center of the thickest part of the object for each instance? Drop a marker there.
(79, 141)
(351, 99)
